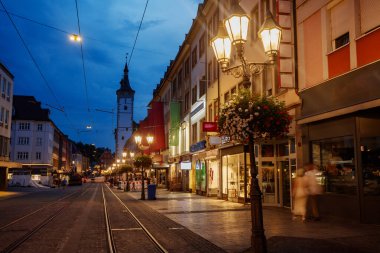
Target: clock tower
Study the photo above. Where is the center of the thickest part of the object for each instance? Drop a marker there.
(125, 96)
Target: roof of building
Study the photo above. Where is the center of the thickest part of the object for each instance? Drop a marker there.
(6, 70)
(125, 86)
(28, 108)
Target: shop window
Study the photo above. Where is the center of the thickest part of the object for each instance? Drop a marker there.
(342, 40)
(268, 183)
(232, 176)
(335, 158)
(283, 149)
(200, 174)
(292, 145)
(267, 150)
(370, 154)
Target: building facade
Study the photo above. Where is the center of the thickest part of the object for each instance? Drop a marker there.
(339, 86)
(201, 161)
(37, 143)
(124, 125)
(6, 99)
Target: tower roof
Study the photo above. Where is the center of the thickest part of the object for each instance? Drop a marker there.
(125, 87)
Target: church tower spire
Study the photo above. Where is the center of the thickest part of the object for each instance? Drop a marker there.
(125, 97)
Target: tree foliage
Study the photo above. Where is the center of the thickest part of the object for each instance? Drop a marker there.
(125, 169)
(143, 161)
(250, 114)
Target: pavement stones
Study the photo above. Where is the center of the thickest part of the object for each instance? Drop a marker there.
(228, 225)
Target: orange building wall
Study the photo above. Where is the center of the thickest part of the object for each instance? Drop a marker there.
(339, 61)
(313, 50)
(368, 48)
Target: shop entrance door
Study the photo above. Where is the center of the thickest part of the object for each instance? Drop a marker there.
(284, 182)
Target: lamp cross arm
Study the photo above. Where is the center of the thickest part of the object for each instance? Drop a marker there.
(246, 69)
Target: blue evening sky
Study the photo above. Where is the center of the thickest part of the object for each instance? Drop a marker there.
(109, 28)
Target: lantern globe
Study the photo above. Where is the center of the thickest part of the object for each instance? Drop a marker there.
(221, 45)
(270, 35)
(237, 24)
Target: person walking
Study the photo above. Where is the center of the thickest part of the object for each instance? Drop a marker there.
(314, 189)
(299, 193)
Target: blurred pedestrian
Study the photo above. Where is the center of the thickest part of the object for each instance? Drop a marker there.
(299, 193)
(314, 189)
(64, 182)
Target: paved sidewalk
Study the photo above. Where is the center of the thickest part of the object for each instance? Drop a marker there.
(228, 225)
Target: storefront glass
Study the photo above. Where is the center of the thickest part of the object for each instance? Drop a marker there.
(335, 158)
(213, 177)
(370, 154)
(268, 183)
(200, 174)
(232, 176)
(224, 175)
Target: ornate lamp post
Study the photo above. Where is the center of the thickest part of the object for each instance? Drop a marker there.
(150, 139)
(138, 140)
(235, 32)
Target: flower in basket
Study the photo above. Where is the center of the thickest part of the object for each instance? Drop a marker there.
(248, 114)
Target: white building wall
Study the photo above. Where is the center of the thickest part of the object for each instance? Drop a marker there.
(45, 147)
(124, 122)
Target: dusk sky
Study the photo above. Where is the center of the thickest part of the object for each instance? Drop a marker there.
(109, 30)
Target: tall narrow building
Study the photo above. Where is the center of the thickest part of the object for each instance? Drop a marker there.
(125, 96)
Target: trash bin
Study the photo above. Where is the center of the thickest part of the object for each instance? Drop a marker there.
(152, 192)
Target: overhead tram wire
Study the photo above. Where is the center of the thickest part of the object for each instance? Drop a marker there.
(83, 66)
(69, 33)
(138, 31)
(36, 64)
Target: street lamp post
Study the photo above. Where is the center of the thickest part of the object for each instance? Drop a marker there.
(150, 139)
(236, 25)
(138, 140)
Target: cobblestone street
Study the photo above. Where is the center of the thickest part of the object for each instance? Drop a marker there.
(181, 222)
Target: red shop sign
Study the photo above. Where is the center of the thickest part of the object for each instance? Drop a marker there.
(210, 127)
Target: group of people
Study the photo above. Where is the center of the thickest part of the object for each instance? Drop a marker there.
(305, 191)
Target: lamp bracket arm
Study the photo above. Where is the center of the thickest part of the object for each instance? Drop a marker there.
(246, 69)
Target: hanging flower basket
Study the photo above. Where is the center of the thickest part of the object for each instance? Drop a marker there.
(248, 114)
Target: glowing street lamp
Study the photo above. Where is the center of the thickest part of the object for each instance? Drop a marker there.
(75, 37)
(138, 139)
(149, 139)
(236, 25)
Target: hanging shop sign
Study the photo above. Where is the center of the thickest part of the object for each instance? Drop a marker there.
(225, 139)
(214, 140)
(198, 146)
(185, 165)
(210, 126)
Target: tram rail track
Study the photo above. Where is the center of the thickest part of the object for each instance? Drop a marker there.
(110, 236)
(23, 232)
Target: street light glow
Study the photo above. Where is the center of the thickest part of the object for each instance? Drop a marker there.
(149, 139)
(75, 37)
(138, 139)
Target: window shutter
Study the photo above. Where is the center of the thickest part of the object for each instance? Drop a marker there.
(340, 19)
(369, 14)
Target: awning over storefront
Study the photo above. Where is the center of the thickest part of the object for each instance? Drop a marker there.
(342, 95)
(160, 165)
